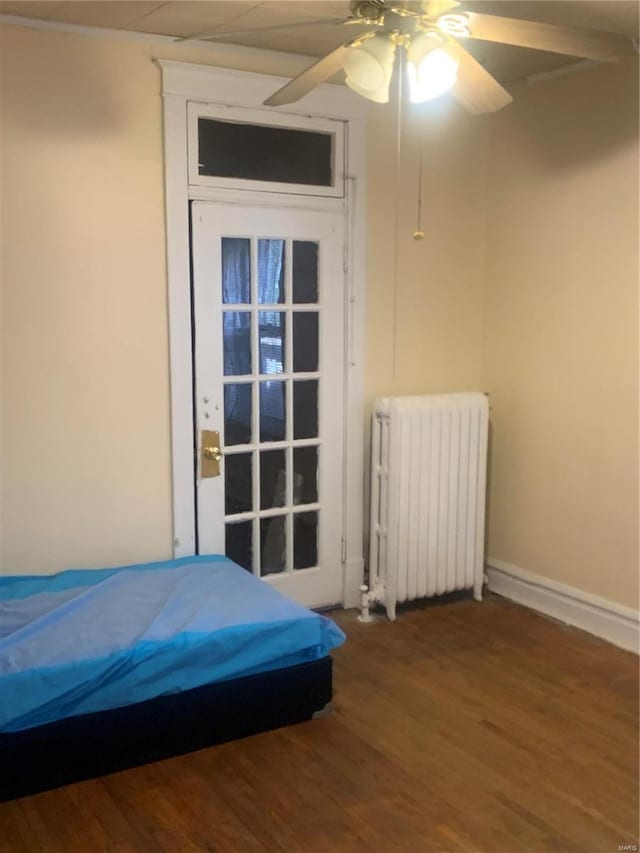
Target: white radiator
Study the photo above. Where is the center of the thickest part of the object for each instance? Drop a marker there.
(428, 482)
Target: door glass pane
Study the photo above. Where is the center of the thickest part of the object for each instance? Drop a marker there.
(305, 475)
(229, 149)
(272, 411)
(238, 543)
(273, 479)
(305, 409)
(271, 271)
(236, 341)
(237, 413)
(305, 540)
(271, 328)
(305, 341)
(238, 488)
(305, 271)
(272, 545)
(236, 270)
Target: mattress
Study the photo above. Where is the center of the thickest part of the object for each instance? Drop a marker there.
(93, 640)
(90, 745)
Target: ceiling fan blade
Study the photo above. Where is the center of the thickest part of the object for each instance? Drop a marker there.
(588, 44)
(317, 73)
(475, 88)
(219, 33)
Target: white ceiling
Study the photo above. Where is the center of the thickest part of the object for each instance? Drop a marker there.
(187, 18)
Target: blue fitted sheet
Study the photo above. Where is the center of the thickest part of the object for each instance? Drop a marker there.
(94, 639)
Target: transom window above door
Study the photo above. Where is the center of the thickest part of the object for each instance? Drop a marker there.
(259, 150)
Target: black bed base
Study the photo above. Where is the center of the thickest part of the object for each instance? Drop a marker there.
(91, 745)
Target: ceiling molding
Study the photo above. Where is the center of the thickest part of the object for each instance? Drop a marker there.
(221, 49)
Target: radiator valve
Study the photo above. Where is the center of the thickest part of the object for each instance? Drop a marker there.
(367, 598)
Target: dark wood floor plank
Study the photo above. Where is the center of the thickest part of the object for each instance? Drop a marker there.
(92, 798)
(15, 831)
(460, 728)
(60, 826)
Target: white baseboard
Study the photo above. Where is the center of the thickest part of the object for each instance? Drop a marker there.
(613, 622)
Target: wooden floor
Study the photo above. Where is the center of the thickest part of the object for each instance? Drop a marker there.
(461, 727)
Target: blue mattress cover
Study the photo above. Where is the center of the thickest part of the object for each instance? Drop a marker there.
(93, 639)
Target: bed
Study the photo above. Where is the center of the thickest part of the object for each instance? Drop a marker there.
(106, 669)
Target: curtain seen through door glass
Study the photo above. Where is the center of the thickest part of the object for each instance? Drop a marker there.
(271, 326)
(236, 270)
(237, 413)
(236, 341)
(271, 262)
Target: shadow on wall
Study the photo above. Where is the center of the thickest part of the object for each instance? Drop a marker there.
(76, 98)
(578, 117)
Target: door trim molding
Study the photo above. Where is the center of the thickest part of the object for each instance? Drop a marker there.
(184, 82)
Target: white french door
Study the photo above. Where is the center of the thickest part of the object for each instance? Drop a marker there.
(269, 361)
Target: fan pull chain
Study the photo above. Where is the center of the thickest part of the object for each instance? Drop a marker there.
(396, 259)
(418, 234)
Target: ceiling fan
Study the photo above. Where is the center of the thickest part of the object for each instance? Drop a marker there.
(426, 38)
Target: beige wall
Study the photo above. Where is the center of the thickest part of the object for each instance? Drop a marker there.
(85, 389)
(562, 331)
(85, 473)
(84, 359)
(85, 477)
(437, 283)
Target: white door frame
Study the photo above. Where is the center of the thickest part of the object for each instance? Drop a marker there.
(183, 83)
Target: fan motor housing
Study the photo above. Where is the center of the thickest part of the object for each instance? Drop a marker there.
(370, 9)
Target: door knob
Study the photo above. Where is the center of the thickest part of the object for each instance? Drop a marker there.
(210, 453)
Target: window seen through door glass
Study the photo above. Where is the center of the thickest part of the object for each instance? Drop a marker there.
(271, 325)
(239, 543)
(305, 341)
(236, 342)
(271, 261)
(305, 475)
(273, 408)
(273, 554)
(305, 540)
(305, 409)
(238, 488)
(237, 413)
(273, 479)
(305, 271)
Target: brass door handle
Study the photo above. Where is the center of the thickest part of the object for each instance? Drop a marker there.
(212, 453)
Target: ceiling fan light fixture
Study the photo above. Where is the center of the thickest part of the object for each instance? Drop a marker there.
(431, 69)
(369, 67)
